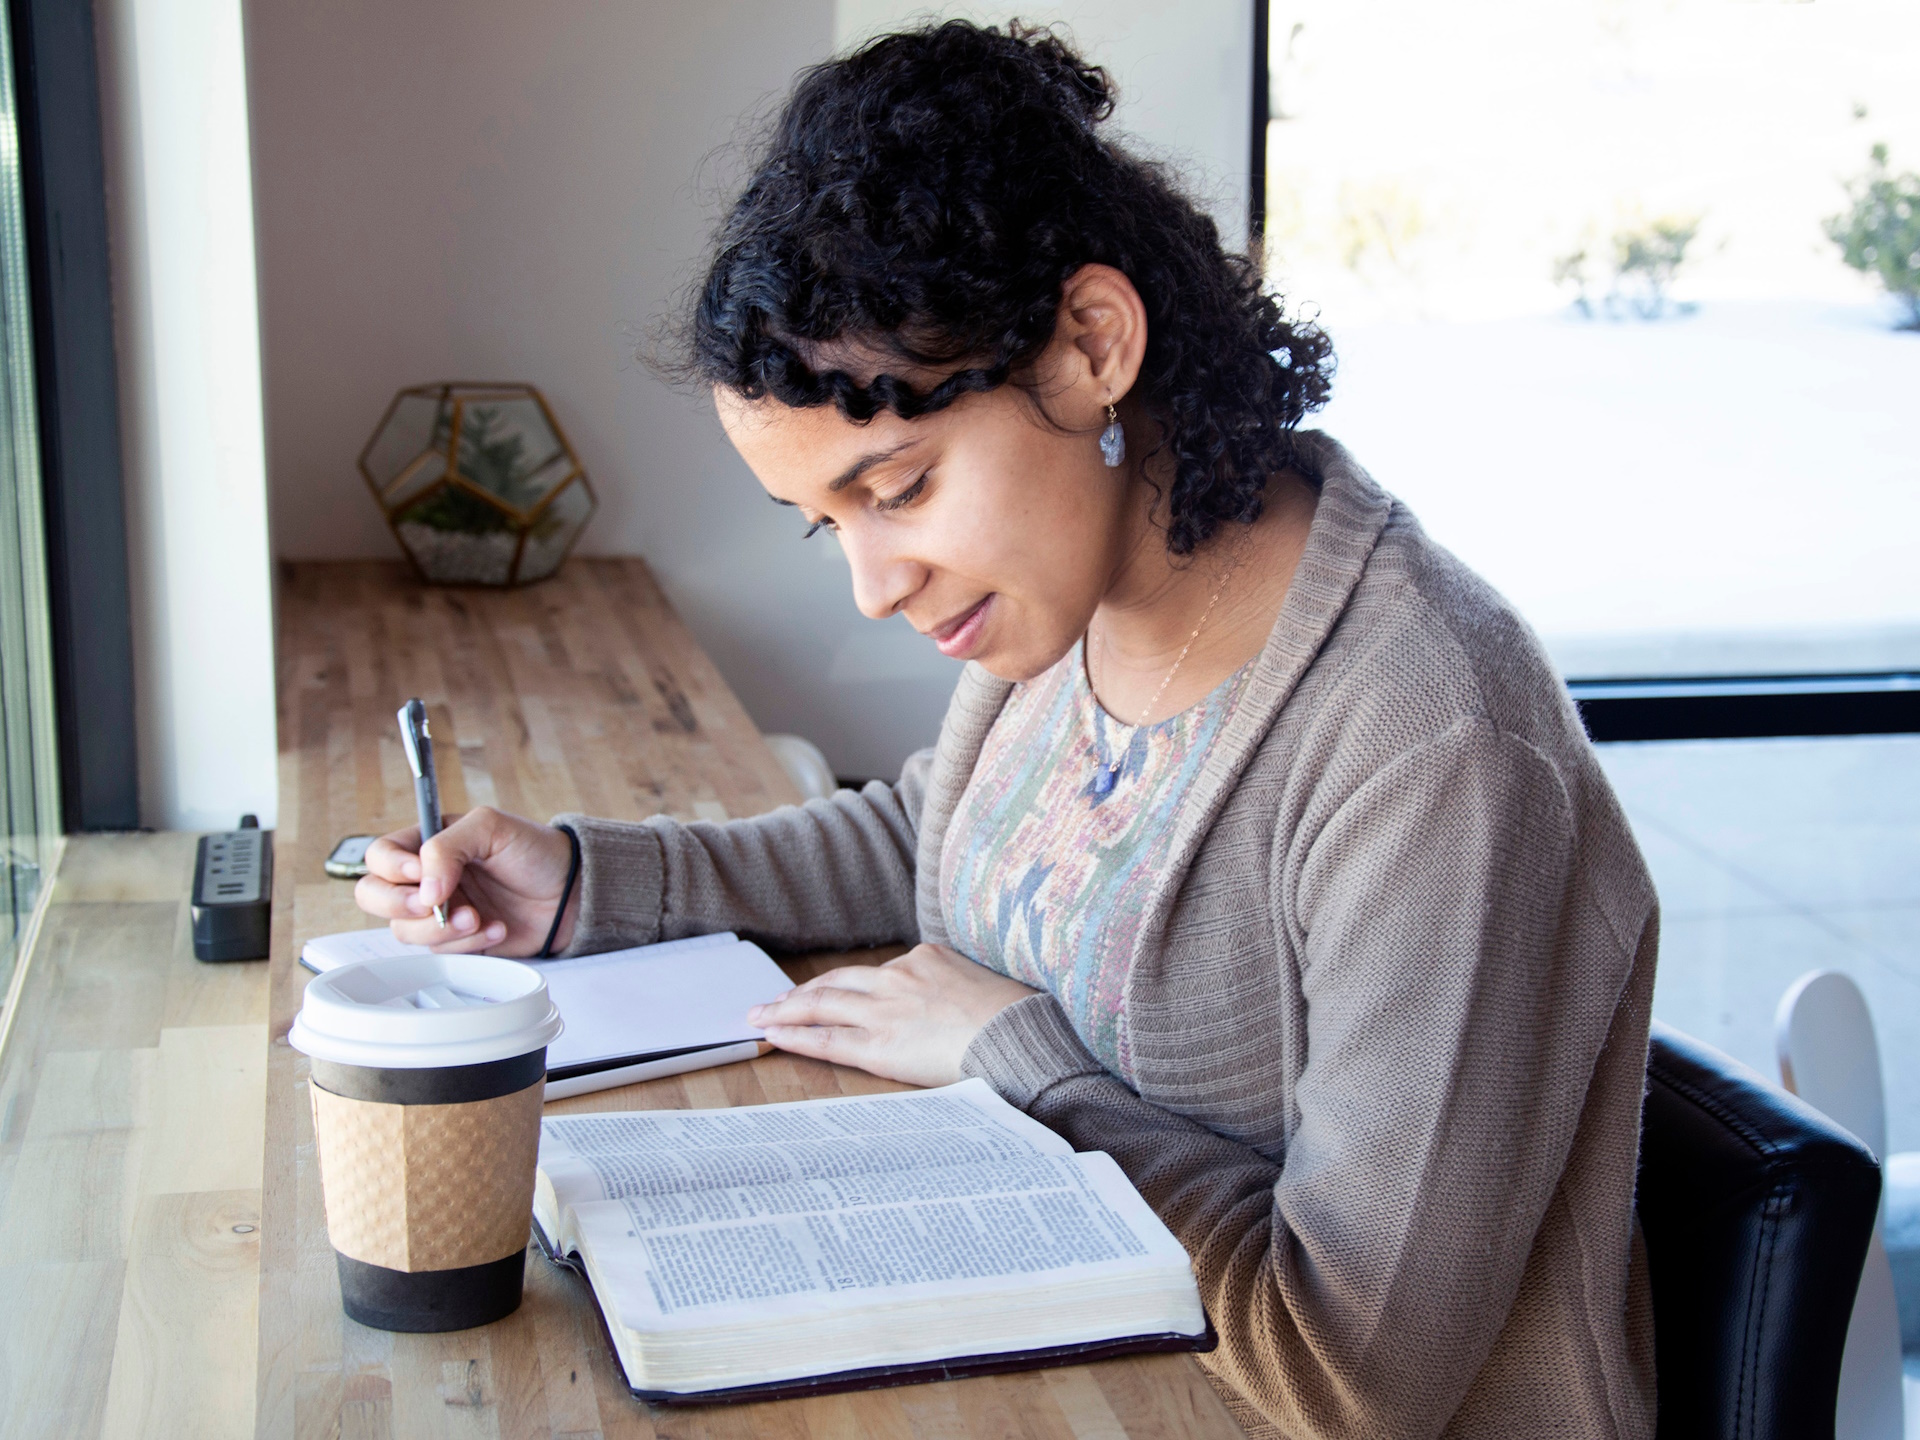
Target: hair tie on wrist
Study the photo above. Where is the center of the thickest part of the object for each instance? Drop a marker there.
(573, 874)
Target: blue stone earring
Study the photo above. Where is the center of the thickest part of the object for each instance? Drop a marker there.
(1113, 441)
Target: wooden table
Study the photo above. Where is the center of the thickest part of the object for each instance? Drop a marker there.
(165, 1256)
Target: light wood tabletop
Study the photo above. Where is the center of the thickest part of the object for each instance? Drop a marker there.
(166, 1262)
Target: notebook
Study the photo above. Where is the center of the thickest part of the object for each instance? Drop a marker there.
(630, 1014)
(846, 1243)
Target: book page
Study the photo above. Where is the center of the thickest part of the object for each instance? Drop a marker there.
(659, 997)
(1054, 1220)
(675, 1152)
(328, 952)
(676, 995)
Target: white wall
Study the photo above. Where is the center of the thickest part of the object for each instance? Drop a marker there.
(505, 189)
(1184, 72)
(181, 210)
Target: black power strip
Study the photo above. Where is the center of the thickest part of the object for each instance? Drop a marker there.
(233, 893)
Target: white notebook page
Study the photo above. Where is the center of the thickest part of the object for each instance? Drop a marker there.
(673, 996)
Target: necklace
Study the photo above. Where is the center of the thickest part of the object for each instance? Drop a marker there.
(1105, 775)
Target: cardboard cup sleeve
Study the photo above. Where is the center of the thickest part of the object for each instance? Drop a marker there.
(428, 1187)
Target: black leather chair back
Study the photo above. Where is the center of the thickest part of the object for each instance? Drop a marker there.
(1757, 1211)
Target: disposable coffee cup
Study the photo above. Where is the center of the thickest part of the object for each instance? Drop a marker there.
(428, 1074)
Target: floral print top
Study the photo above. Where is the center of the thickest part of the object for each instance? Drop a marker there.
(1053, 852)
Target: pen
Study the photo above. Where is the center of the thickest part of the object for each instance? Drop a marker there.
(418, 743)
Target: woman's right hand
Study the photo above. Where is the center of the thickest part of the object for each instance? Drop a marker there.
(499, 876)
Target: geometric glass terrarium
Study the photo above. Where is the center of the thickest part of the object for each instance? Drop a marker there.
(478, 483)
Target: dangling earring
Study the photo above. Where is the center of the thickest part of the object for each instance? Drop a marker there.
(1113, 440)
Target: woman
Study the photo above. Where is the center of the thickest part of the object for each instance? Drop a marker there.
(1261, 848)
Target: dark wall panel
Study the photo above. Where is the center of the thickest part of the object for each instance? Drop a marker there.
(71, 280)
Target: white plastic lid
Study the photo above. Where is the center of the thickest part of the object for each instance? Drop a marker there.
(420, 1012)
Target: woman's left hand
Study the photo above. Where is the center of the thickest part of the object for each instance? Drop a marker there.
(910, 1019)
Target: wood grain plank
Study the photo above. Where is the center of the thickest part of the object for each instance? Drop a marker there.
(95, 999)
(71, 1198)
(72, 1082)
(565, 1365)
(1084, 1405)
(203, 1110)
(57, 1330)
(183, 1356)
(131, 867)
(443, 1387)
(1164, 1397)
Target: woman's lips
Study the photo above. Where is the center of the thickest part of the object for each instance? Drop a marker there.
(958, 638)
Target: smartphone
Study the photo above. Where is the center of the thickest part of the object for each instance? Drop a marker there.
(349, 858)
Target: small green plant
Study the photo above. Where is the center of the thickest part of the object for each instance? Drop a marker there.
(493, 460)
(458, 510)
(1645, 260)
(1381, 226)
(1879, 233)
(494, 496)
(1571, 269)
(1646, 255)
(497, 461)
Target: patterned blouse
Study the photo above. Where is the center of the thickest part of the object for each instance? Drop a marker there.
(1052, 853)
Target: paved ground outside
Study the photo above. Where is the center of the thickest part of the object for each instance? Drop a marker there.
(1773, 858)
(1737, 490)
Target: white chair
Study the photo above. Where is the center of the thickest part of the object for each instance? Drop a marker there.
(1823, 1035)
(1900, 1220)
(805, 765)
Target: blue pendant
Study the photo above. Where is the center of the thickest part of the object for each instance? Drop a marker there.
(1103, 779)
(1113, 445)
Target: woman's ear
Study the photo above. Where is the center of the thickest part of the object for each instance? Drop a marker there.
(1102, 334)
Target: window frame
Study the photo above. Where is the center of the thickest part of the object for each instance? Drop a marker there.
(70, 289)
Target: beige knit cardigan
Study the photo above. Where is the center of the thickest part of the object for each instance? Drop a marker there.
(1388, 1012)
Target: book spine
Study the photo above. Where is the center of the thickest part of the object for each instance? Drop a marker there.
(656, 1069)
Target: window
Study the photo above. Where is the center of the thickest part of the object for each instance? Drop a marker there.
(29, 804)
(1590, 325)
(1583, 268)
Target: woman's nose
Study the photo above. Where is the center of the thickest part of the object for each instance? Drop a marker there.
(882, 582)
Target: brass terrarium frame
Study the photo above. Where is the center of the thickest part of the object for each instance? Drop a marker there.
(452, 399)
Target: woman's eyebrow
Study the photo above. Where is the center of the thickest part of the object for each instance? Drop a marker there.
(865, 463)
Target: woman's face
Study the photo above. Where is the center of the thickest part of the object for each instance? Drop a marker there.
(995, 532)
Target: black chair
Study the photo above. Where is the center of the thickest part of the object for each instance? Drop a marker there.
(1757, 1211)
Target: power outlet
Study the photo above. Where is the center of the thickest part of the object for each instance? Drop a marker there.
(232, 894)
(233, 873)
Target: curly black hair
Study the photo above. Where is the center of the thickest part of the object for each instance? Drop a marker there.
(925, 198)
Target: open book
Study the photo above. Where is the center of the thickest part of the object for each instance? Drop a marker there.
(833, 1244)
(631, 1015)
